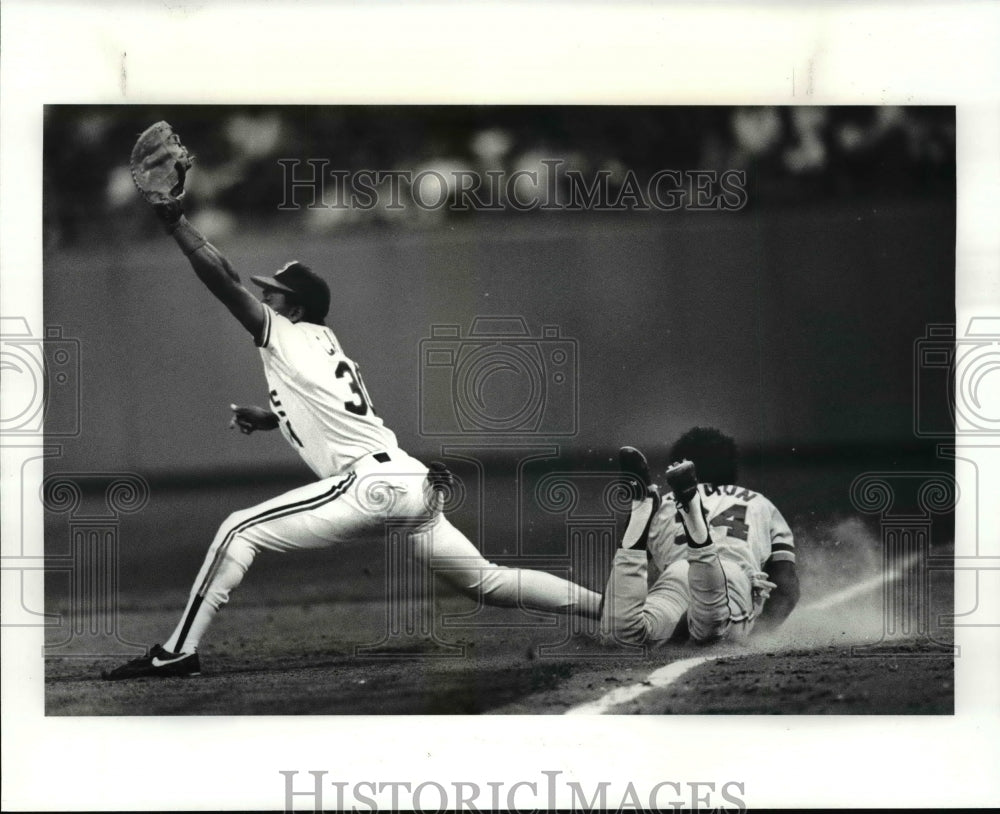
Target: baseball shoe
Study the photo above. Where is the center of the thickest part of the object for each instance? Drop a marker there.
(157, 663)
(683, 480)
(645, 497)
(633, 465)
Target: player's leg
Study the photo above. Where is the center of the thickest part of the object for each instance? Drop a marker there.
(622, 619)
(458, 563)
(637, 614)
(304, 518)
(632, 612)
(312, 516)
(710, 612)
(454, 559)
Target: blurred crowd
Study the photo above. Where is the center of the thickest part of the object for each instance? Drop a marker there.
(791, 155)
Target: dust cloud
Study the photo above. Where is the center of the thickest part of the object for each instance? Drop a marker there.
(844, 579)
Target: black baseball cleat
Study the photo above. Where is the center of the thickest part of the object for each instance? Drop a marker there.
(633, 465)
(157, 663)
(683, 480)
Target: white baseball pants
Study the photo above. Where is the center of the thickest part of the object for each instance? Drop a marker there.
(382, 488)
(710, 592)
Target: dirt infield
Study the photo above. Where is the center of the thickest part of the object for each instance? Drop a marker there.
(312, 634)
(290, 660)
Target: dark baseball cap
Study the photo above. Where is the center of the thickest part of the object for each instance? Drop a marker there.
(300, 280)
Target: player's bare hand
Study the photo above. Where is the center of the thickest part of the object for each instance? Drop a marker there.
(248, 419)
(762, 588)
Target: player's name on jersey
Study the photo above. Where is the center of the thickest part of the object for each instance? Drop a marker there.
(732, 491)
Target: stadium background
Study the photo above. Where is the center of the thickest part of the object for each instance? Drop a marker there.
(791, 323)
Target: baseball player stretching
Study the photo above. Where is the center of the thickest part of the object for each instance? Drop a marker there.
(319, 401)
(724, 555)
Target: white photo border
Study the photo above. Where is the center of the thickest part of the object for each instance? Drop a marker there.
(349, 52)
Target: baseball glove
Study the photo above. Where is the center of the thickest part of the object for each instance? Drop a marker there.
(159, 164)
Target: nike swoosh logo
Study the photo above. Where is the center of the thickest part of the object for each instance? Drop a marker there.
(158, 663)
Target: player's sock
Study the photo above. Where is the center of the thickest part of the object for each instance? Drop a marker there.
(695, 522)
(192, 626)
(636, 534)
(201, 609)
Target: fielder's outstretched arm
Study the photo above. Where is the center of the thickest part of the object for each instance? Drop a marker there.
(214, 270)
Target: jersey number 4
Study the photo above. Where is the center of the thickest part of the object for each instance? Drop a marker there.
(733, 519)
(361, 404)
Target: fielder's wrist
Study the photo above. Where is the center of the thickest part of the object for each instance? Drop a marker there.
(169, 212)
(187, 237)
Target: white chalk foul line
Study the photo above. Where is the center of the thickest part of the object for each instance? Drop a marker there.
(669, 673)
(861, 588)
(661, 677)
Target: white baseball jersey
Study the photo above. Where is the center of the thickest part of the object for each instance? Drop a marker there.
(747, 528)
(318, 395)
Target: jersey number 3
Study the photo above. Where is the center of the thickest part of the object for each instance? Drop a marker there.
(361, 404)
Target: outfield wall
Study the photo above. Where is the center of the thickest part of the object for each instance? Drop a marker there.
(786, 327)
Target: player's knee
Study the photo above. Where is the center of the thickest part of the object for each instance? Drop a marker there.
(228, 527)
(495, 584)
(463, 580)
(237, 548)
(708, 631)
(619, 631)
(241, 550)
(496, 579)
(624, 636)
